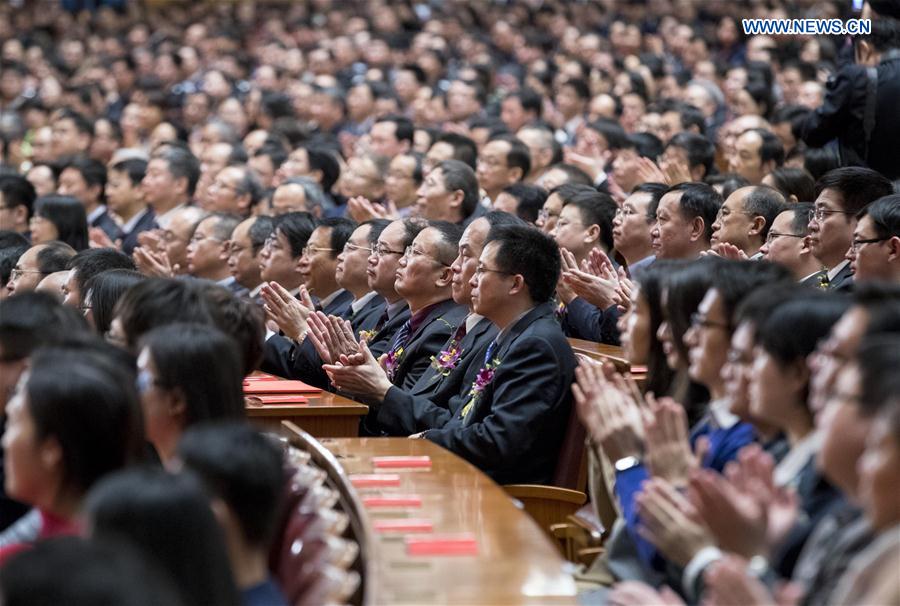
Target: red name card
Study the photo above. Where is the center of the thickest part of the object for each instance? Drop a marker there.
(374, 480)
(406, 500)
(401, 462)
(403, 525)
(433, 545)
(282, 399)
(268, 387)
(260, 377)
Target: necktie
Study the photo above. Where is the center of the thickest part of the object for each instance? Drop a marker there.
(402, 336)
(489, 352)
(460, 333)
(382, 319)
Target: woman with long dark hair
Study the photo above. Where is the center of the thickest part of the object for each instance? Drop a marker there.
(59, 218)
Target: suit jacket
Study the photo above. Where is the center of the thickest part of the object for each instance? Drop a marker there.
(581, 320)
(843, 281)
(306, 365)
(145, 223)
(108, 225)
(381, 340)
(279, 352)
(514, 430)
(426, 404)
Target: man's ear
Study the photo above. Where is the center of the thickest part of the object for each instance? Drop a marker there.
(893, 248)
(226, 247)
(456, 199)
(698, 229)
(445, 278)
(593, 234)
(518, 285)
(757, 225)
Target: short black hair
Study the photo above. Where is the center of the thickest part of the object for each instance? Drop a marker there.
(700, 150)
(529, 99)
(803, 212)
(580, 87)
(341, 230)
(54, 257)
(766, 202)
(17, 191)
(168, 518)
(599, 209)
(527, 251)
(88, 263)
(464, 148)
(9, 256)
(106, 288)
(259, 231)
(82, 572)
(574, 175)
(31, 320)
(611, 130)
(92, 171)
(403, 126)
(794, 181)
(323, 160)
(858, 187)
(85, 397)
(155, 302)
(460, 176)
(734, 280)
(518, 155)
(530, 199)
(83, 125)
(450, 234)
(771, 148)
(656, 191)
(497, 217)
(67, 215)
(885, 215)
(297, 227)
(181, 163)
(698, 200)
(135, 168)
(646, 145)
(376, 226)
(688, 115)
(244, 468)
(179, 349)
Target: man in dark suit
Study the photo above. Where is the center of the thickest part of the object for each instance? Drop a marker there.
(207, 250)
(316, 269)
(787, 244)
(840, 195)
(85, 179)
(125, 199)
(513, 410)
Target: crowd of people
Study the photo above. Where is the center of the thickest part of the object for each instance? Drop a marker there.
(417, 205)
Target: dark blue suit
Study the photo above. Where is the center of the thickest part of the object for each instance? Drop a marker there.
(426, 404)
(145, 223)
(381, 341)
(581, 320)
(105, 222)
(515, 429)
(843, 281)
(429, 337)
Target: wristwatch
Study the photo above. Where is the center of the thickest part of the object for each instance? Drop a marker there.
(626, 463)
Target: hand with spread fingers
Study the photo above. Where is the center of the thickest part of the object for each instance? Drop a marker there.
(331, 337)
(668, 451)
(729, 583)
(597, 289)
(154, 264)
(670, 522)
(286, 311)
(360, 374)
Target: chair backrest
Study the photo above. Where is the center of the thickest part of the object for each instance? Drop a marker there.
(571, 466)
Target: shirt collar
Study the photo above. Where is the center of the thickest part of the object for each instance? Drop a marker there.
(471, 320)
(133, 221)
(327, 300)
(255, 292)
(815, 273)
(394, 308)
(96, 213)
(834, 271)
(503, 334)
(795, 460)
(362, 301)
(721, 415)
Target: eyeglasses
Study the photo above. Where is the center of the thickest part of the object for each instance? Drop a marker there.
(820, 213)
(855, 244)
(411, 252)
(698, 319)
(545, 214)
(309, 249)
(18, 273)
(774, 234)
(383, 251)
(739, 356)
(350, 247)
(481, 269)
(272, 243)
(623, 212)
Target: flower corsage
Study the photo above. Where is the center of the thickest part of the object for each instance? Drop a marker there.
(482, 380)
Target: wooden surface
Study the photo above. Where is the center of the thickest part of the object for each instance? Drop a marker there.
(516, 562)
(611, 352)
(325, 415)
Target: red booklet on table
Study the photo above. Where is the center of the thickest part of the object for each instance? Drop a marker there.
(273, 387)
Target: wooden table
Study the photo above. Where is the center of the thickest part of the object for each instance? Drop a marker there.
(612, 353)
(326, 415)
(515, 564)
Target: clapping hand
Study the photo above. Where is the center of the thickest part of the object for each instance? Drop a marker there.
(286, 311)
(154, 264)
(362, 209)
(99, 239)
(670, 522)
(667, 449)
(599, 289)
(331, 336)
(359, 374)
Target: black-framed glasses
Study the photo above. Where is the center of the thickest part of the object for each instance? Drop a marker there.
(774, 234)
(698, 319)
(855, 244)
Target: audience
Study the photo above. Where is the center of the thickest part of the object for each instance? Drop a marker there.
(59, 218)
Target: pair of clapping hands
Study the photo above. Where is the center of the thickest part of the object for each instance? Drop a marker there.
(596, 281)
